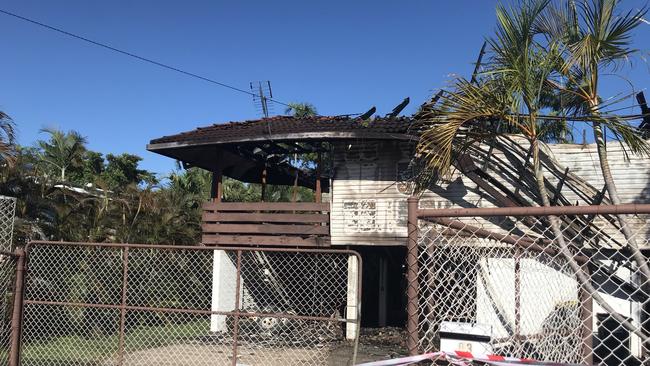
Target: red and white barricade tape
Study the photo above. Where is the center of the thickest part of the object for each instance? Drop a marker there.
(460, 358)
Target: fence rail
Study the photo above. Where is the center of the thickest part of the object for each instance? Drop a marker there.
(563, 284)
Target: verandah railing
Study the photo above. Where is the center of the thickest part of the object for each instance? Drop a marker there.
(266, 223)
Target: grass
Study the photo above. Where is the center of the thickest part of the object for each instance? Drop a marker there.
(101, 350)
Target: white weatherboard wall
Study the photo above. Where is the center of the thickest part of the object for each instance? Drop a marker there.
(369, 192)
(368, 202)
(367, 206)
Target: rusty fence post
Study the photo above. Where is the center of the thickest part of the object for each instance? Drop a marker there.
(412, 287)
(17, 313)
(586, 315)
(122, 335)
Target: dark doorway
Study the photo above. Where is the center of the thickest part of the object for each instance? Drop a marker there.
(383, 297)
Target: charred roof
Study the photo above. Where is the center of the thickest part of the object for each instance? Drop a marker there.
(234, 147)
(287, 128)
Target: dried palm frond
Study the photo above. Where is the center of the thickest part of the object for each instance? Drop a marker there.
(476, 111)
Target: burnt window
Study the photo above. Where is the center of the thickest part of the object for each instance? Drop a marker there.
(404, 178)
(360, 215)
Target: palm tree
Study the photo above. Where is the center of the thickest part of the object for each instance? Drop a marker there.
(301, 110)
(596, 39)
(508, 99)
(7, 139)
(63, 150)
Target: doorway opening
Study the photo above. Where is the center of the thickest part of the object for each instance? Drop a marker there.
(383, 296)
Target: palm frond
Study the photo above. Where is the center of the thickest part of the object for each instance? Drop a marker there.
(606, 35)
(628, 136)
(468, 109)
(301, 110)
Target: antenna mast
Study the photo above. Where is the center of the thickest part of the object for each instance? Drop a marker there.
(262, 92)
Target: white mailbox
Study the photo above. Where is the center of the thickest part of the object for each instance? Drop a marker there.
(466, 337)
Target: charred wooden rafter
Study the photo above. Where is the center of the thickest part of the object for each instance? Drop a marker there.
(575, 226)
(304, 178)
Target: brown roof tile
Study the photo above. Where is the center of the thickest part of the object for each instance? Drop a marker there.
(281, 125)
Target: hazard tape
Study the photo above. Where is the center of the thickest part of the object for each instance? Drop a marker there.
(461, 358)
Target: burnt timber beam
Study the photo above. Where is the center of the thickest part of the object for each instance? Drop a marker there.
(467, 167)
(508, 172)
(318, 192)
(488, 156)
(645, 124)
(471, 171)
(550, 165)
(307, 147)
(477, 66)
(216, 187)
(504, 199)
(305, 179)
(522, 167)
(558, 189)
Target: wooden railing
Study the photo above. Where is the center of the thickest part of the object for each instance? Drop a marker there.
(266, 223)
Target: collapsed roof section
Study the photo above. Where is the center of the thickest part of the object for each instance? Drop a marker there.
(243, 149)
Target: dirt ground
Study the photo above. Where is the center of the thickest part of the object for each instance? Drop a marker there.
(374, 344)
(377, 344)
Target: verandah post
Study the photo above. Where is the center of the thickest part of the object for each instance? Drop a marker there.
(264, 175)
(318, 195)
(412, 287)
(216, 189)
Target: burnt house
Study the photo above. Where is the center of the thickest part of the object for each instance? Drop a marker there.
(361, 178)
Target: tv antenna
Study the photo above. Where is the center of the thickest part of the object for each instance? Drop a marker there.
(262, 92)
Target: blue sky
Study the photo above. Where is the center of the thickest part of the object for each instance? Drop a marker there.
(342, 56)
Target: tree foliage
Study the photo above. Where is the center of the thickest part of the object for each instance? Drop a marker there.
(301, 110)
(62, 151)
(7, 139)
(67, 192)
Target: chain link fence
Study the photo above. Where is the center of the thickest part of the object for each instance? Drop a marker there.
(7, 274)
(584, 299)
(111, 304)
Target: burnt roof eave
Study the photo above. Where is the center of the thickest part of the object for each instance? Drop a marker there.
(278, 174)
(302, 136)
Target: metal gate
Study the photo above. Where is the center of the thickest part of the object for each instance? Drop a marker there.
(127, 304)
